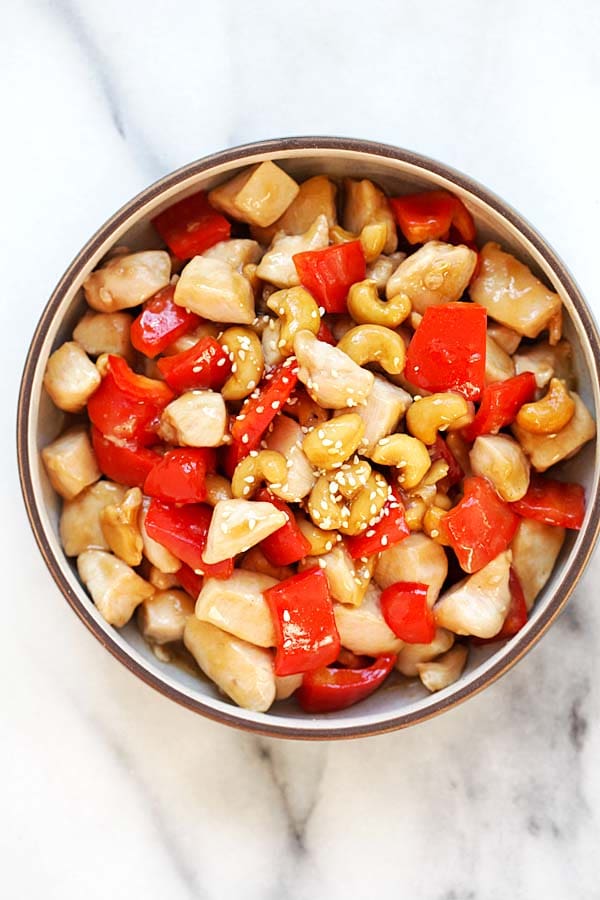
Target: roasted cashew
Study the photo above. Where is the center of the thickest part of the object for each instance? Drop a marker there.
(320, 541)
(367, 308)
(329, 445)
(323, 508)
(375, 343)
(120, 526)
(246, 354)
(550, 414)
(373, 238)
(262, 466)
(406, 452)
(298, 311)
(425, 417)
(217, 488)
(366, 505)
(432, 524)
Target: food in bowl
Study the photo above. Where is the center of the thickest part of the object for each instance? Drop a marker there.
(312, 437)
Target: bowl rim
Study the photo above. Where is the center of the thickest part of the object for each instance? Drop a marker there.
(573, 570)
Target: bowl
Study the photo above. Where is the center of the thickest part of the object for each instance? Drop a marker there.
(400, 703)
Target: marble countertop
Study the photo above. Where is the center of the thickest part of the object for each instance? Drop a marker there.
(110, 790)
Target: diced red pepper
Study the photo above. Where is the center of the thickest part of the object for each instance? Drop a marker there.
(230, 455)
(160, 323)
(325, 334)
(127, 406)
(262, 406)
(305, 629)
(180, 475)
(183, 530)
(500, 403)
(480, 527)
(330, 273)
(191, 226)
(189, 581)
(124, 463)
(429, 216)
(441, 450)
(447, 351)
(328, 689)
(287, 545)
(405, 609)
(516, 616)
(204, 366)
(390, 529)
(560, 503)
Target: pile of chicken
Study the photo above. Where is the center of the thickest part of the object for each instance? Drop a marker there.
(347, 442)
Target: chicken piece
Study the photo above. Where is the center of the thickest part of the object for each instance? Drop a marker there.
(237, 253)
(127, 280)
(478, 604)
(195, 419)
(71, 377)
(277, 265)
(211, 288)
(545, 450)
(237, 605)
(413, 654)
(286, 438)
(70, 462)
(332, 379)
(417, 558)
(154, 552)
(258, 195)
(498, 364)
(162, 617)
(363, 629)
(105, 333)
(348, 579)
(435, 274)
(114, 587)
(237, 525)
(80, 525)
(535, 548)
(445, 670)
(546, 362)
(316, 197)
(366, 204)
(285, 685)
(382, 412)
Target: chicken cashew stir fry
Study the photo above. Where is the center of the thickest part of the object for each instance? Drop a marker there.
(316, 453)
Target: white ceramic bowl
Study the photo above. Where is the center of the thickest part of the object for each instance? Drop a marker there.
(400, 702)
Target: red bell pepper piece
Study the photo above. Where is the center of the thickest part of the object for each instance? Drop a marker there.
(328, 689)
(516, 616)
(330, 273)
(261, 407)
(405, 609)
(160, 323)
(189, 581)
(127, 406)
(191, 226)
(430, 216)
(500, 403)
(183, 530)
(124, 463)
(325, 334)
(441, 450)
(204, 366)
(447, 351)
(390, 529)
(180, 475)
(305, 629)
(481, 526)
(560, 503)
(287, 545)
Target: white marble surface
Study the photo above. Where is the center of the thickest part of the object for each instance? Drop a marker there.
(109, 790)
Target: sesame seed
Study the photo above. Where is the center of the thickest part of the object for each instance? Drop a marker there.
(260, 409)
(245, 439)
(221, 362)
(251, 524)
(275, 404)
(384, 540)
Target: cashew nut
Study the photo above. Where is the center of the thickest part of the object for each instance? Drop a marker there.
(373, 239)
(500, 459)
(256, 561)
(323, 508)
(438, 411)
(366, 505)
(406, 452)
(119, 522)
(70, 462)
(367, 308)
(217, 488)
(298, 312)
(375, 343)
(348, 579)
(432, 524)
(245, 350)
(544, 450)
(260, 466)
(365, 204)
(331, 377)
(330, 444)
(550, 414)
(445, 670)
(320, 541)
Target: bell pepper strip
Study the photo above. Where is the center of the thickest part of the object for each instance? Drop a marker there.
(191, 226)
(390, 529)
(405, 609)
(516, 616)
(127, 406)
(480, 527)
(447, 351)
(261, 407)
(349, 660)
(325, 334)
(204, 366)
(559, 503)
(330, 273)
(329, 689)
(160, 323)
(124, 463)
(189, 581)
(180, 475)
(183, 530)
(287, 545)
(429, 216)
(302, 611)
(441, 450)
(500, 403)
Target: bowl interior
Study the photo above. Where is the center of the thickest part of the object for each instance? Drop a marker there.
(402, 700)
